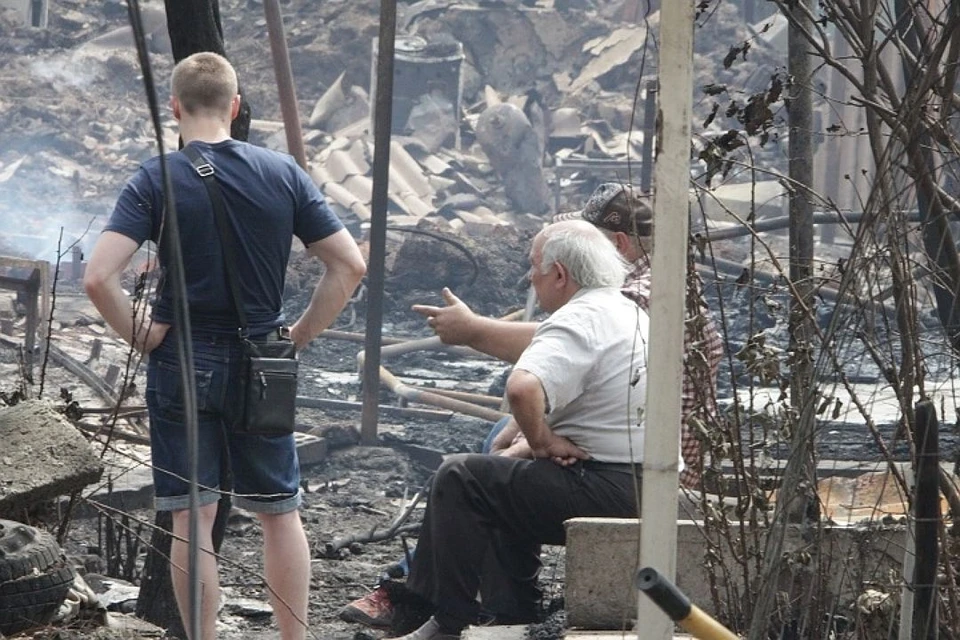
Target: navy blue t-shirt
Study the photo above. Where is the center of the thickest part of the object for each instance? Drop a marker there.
(268, 198)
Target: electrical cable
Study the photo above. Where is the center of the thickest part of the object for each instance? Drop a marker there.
(170, 241)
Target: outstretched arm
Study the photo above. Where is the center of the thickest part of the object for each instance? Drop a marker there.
(344, 270)
(101, 280)
(456, 323)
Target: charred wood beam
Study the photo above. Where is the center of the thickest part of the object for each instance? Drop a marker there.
(85, 373)
(285, 86)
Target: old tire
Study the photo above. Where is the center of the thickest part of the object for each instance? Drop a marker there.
(34, 578)
(23, 549)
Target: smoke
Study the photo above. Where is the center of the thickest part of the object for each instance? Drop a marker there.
(28, 233)
(66, 72)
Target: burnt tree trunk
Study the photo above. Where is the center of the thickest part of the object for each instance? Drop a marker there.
(194, 26)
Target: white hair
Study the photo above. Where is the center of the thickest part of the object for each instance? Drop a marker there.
(590, 259)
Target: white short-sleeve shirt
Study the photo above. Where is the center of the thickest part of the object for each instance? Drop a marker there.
(591, 359)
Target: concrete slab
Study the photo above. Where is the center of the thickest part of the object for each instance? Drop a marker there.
(603, 558)
(127, 481)
(42, 456)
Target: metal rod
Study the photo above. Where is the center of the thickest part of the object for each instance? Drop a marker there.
(649, 131)
(288, 94)
(413, 394)
(927, 519)
(466, 396)
(799, 476)
(378, 221)
(348, 336)
(346, 405)
(428, 344)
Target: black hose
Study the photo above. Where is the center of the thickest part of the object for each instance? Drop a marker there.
(451, 241)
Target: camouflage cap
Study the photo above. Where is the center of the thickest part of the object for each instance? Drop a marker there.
(616, 207)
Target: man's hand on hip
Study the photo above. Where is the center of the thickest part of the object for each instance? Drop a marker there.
(454, 323)
(150, 335)
(559, 449)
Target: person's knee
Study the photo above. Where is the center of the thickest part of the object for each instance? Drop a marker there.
(453, 466)
(280, 520)
(205, 518)
(456, 473)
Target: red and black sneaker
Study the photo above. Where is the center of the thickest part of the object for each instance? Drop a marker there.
(372, 610)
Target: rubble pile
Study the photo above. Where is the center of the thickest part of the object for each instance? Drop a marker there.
(75, 123)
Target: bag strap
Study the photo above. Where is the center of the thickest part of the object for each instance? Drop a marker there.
(227, 239)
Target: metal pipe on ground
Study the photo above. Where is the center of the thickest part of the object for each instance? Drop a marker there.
(285, 87)
(349, 336)
(405, 412)
(413, 394)
(432, 343)
(475, 398)
(710, 265)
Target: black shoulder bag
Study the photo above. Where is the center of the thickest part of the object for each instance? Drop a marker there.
(270, 368)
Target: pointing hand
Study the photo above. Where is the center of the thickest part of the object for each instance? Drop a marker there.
(454, 323)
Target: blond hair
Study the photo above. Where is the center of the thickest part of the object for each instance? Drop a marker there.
(204, 81)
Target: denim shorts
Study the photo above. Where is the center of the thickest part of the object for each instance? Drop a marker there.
(265, 469)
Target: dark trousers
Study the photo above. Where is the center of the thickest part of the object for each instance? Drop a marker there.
(486, 519)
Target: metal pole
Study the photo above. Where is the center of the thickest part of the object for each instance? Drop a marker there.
(802, 330)
(383, 116)
(288, 95)
(649, 131)
(927, 523)
(905, 631)
(799, 477)
(658, 544)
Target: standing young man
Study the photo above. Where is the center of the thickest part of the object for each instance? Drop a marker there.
(268, 200)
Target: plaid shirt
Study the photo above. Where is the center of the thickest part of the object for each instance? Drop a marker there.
(702, 352)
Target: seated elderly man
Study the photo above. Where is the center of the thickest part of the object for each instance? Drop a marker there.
(623, 214)
(575, 393)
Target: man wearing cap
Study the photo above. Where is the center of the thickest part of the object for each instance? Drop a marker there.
(625, 217)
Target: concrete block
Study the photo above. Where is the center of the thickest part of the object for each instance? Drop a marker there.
(311, 449)
(42, 456)
(603, 556)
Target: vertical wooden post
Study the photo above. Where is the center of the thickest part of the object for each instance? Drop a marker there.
(378, 222)
(285, 86)
(658, 541)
